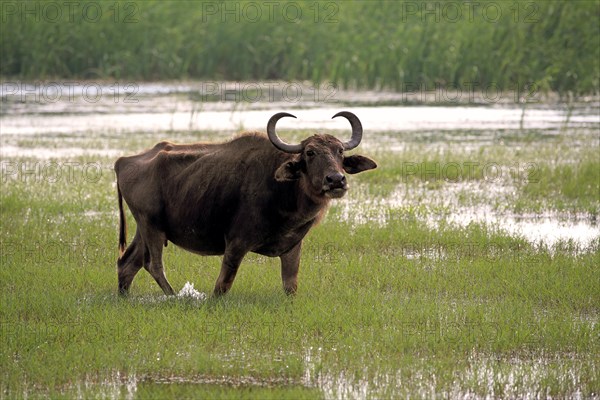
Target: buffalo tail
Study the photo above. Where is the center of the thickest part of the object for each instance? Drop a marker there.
(122, 225)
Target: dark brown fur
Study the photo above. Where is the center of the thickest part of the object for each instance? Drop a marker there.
(227, 199)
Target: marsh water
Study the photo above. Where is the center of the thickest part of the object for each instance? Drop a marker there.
(52, 120)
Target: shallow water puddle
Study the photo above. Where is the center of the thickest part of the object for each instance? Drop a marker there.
(549, 230)
(483, 377)
(159, 107)
(129, 387)
(444, 206)
(373, 119)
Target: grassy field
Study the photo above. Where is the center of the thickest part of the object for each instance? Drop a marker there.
(523, 46)
(388, 306)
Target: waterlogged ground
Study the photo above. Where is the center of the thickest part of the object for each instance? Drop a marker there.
(45, 121)
(464, 266)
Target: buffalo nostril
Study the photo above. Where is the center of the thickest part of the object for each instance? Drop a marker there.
(336, 178)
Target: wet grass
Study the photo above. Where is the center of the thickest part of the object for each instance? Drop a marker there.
(572, 186)
(391, 309)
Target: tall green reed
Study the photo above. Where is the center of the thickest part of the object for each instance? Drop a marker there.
(517, 45)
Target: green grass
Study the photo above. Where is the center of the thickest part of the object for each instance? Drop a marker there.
(571, 184)
(382, 308)
(529, 47)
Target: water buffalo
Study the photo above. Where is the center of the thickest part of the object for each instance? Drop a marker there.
(255, 193)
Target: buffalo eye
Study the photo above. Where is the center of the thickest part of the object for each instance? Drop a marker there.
(340, 151)
(310, 153)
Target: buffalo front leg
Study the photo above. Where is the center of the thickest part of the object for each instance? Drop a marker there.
(229, 267)
(290, 264)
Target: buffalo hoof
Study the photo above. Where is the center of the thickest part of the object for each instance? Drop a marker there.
(290, 291)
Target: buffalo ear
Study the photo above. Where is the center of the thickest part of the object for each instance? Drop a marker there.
(355, 164)
(288, 171)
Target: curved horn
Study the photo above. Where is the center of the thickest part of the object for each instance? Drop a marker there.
(357, 129)
(280, 144)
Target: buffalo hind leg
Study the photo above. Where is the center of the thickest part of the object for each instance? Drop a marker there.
(229, 267)
(290, 264)
(131, 262)
(154, 241)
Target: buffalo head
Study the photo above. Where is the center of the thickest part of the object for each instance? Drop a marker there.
(319, 162)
